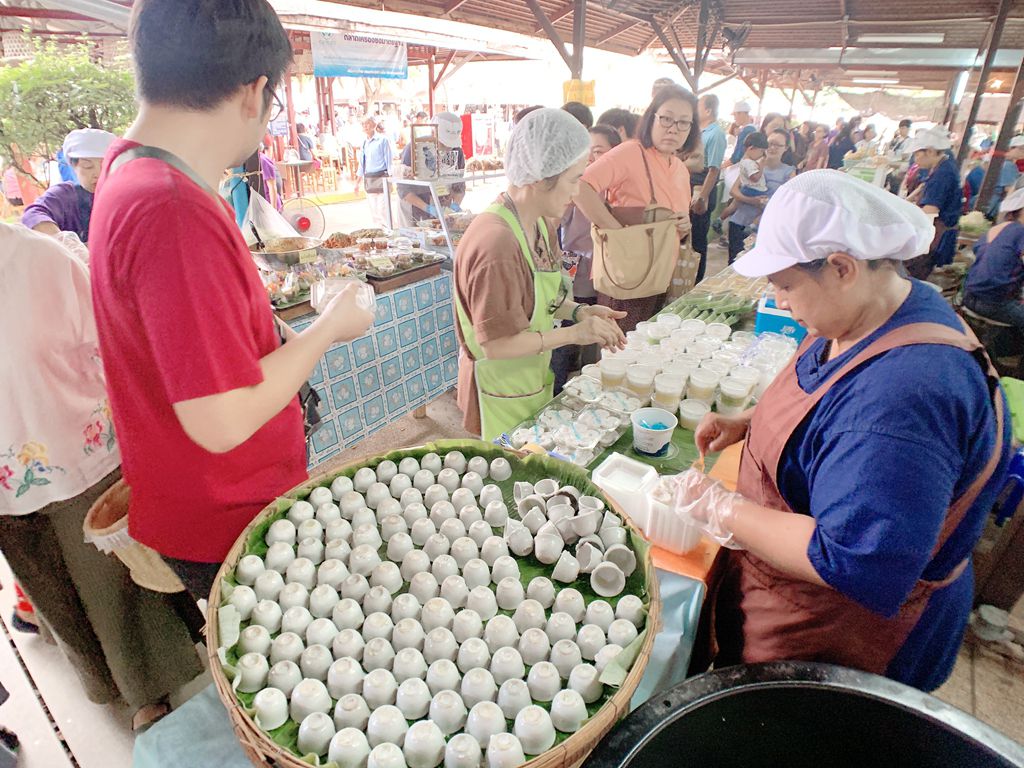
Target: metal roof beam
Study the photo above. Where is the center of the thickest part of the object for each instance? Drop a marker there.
(994, 37)
(579, 37)
(560, 14)
(882, 58)
(616, 32)
(676, 53)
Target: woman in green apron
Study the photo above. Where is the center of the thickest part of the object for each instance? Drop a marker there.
(509, 287)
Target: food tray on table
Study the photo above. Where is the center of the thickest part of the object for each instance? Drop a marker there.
(535, 494)
(284, 252)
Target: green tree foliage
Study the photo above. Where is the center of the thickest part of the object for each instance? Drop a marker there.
(59, 89)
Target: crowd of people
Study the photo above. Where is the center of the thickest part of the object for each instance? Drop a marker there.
(171, 372)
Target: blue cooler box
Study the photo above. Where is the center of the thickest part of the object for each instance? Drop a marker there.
(771, 319)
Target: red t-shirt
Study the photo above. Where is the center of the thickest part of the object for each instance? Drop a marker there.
(181, 314)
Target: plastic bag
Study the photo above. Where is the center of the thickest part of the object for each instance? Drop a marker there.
(268, 222)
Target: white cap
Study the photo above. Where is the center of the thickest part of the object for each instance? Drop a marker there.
(1017, 141)
(449, 129)
(87, 142)
(930, 138)
(819, 213)
(1013, 202)
(741, 106)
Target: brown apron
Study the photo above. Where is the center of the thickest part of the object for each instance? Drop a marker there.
(762, 614)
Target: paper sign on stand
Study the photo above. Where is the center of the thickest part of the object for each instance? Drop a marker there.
(346, 54)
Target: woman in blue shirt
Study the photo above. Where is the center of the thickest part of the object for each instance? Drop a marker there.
(942, 198)
(866, 478)
(994, 283)
(843, 144)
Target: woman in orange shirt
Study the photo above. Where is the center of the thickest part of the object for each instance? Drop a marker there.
(620, 177)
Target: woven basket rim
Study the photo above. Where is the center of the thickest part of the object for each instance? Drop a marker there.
(262, 751)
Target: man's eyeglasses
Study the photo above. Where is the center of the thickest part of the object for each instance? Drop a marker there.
(276, 107)
(776, 145)
(680, 125)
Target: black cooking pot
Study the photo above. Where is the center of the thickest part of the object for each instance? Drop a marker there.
(796, 714)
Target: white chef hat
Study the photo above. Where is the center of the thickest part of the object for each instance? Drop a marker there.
(1017, 141)
(819, 213)
(545, 143)
(87, 142)
(741, 106)
(930, 138)
(1013, 202)
(449, 129)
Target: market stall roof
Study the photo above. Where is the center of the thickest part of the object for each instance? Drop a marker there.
(923, 41)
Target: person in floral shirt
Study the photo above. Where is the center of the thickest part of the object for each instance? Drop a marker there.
(58, 454)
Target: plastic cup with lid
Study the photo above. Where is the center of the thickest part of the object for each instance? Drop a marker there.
(592, 371)
(670, 320)
(669, 385)
(640, 378)
(657, 331)
(718, 331)
(732, 394)
(678, 367)
(748, 376)
(725, 356)
(686, 359)
(683, 336)
(699, 349)
(652, 430)
(702, 385)
(691, 412)
(693, 326)
(722, 369)
(613, 371)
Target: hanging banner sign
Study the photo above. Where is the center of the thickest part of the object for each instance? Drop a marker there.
(346, 54)
(579, 90)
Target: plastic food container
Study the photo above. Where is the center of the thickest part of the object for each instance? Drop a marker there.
(613, 371)
(380, 243)
(732, 394)
(669, 385)
(669, 320)
(621, 401)
(718, 331)
(702, 385)
(322, 291)
(629, 482)
(640, 378)
(691, 412)
(585, 388)
(748, 376)
(693, 326)
(652, 431)
(658, 331)
(719, 367)
(592, 371)
(364, 244)
(700, 349)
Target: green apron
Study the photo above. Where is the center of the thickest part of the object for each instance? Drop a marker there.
(510, 391)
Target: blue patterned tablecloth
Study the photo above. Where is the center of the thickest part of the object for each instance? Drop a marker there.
(408, 359)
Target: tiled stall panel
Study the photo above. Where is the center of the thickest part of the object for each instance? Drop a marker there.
(408, 359)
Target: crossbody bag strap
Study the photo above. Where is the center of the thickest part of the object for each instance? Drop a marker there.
(155, 153)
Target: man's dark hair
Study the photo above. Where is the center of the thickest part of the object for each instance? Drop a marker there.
(524, 112)
(711, 103)
(906, 123)
(620, 118)
(581, 112)
(756, 140)
(609, 133)
(669, 93)
(197, 53)
(300, 127)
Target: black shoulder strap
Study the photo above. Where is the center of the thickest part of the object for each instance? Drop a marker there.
(155, 153)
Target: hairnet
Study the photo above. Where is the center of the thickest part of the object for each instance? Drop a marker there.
(545, 143)
(819, 213)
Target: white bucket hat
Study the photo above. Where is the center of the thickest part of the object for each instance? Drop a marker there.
(819, 213)
(930, 138)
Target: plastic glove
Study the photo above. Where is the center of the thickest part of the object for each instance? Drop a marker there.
(432, 210)
(455, 208)
(708, 503)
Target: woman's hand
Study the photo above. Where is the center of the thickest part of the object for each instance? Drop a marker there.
(599, 310)
(595, 329)
(716, 433)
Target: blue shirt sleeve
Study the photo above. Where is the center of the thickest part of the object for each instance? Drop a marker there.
(714, 149)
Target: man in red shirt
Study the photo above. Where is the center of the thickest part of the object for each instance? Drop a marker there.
(203, 392)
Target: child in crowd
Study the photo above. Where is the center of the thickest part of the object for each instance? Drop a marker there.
(750, 171)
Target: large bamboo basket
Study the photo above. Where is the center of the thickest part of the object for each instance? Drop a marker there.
(571, 752)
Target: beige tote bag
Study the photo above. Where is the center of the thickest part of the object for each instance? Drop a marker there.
(638, 259)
